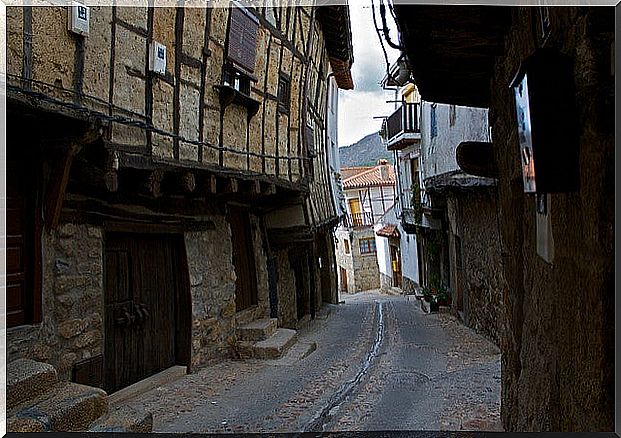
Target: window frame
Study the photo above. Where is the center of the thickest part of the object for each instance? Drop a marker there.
(284, 101)
(370, 247)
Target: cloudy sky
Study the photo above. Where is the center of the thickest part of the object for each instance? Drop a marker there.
(357, 107)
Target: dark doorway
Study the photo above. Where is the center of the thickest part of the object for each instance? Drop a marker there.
(246, 294)
(23, 291)
(395, 262)
(343, 280)
(299, 263)
(147, 298)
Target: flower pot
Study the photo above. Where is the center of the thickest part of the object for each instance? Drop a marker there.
(434, 306)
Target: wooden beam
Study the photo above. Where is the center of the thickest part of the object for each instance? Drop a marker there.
(111, 178)
(188, 182)
(212, 184)
(231, 185)
(57, 186)
(154, 182)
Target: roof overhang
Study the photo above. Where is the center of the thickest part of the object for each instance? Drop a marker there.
(334, 20)
(452, 49)
(456, 181)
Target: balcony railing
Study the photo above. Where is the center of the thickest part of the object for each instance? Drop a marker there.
(357, 220)
(403, 127)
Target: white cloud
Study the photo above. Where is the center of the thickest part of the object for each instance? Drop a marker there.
(356, 112)
(358, 107)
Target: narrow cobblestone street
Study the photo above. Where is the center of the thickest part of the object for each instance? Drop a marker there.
(381, 363)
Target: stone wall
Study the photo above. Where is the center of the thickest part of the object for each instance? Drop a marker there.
(366, 269)
(72, 301)
(262, 308)
(344, 260)
(558, 351)
(476, 272)
(212, 281)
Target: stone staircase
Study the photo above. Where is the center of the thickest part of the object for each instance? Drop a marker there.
(262, 339)
(38, 402)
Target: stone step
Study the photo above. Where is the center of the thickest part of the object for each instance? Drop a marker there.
(124, 419)
(27, 380)
(142, 386)
(258, 330)
(66, 407)
(275, 345)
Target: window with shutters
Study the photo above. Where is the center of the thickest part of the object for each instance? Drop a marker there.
(367, 246)
(241, 50)
(284, 92)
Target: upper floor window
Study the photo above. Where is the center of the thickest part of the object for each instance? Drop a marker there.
(433, 121)
(367, 246)
(241, 49)
(284, 92)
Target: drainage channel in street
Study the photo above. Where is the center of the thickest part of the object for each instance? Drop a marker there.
(318, 423)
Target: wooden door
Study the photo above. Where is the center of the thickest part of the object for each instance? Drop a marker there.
(23, 299)
(142, 291)
(395, 261)
(343, 280)
(243, 259)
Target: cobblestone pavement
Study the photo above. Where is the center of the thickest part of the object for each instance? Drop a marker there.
(427, 372)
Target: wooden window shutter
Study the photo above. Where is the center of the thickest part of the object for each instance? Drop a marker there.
(242, 46)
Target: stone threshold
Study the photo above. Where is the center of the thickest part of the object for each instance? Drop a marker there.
(162, 378)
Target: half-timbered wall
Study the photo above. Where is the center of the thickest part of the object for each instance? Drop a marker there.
(183, 114)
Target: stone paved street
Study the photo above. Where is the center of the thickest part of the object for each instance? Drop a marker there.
(381, 363)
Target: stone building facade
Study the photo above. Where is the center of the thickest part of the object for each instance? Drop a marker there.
(558, 343)
(369, 192)
(358, 271)
(151, 210)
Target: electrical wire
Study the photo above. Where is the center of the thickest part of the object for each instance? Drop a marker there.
(385, 29)
(381, 40)
(97, 115)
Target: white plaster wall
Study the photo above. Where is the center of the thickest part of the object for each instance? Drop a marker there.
(438, 154)
(383, 252)
(409, 256)
(334, 159)
(371, 200)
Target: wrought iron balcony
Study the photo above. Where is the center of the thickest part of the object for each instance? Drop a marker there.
(402, 128)
(357, 220)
